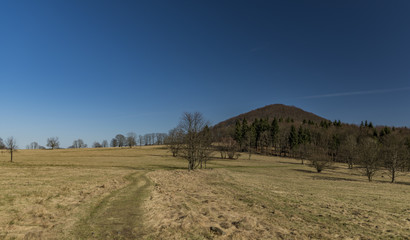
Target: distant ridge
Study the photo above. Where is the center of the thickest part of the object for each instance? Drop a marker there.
(272, 111)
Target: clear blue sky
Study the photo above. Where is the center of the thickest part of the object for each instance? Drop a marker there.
(92, 69)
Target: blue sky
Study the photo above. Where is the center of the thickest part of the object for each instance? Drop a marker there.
(92, 69)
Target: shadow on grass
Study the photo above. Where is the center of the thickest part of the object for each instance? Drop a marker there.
(333, 178)
(165, 167)
(294, 163)
(388, 181)
(158, 155)
(403, 183)
(304, 171)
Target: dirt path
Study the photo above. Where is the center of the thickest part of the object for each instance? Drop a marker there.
(117, 216)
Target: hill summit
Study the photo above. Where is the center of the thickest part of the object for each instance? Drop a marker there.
(272, 111)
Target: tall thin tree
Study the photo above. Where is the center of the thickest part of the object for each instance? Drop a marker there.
(11, 146)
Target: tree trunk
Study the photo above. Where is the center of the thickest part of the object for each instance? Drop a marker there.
(350, 164)
(393, 175)
(369, 175)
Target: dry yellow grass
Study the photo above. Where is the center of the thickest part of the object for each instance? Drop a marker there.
(144, 193)
(46, 193)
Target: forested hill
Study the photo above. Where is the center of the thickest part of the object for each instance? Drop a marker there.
(287, 113)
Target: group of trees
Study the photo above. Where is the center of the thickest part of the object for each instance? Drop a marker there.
(368, 148)
(192, 140)
(131, 139)
(103, 144)
(79, 143)
(52, 143)
(34, 145)
(261, 135)
(390, 153)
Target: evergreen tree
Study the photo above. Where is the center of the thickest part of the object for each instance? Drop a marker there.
(252, 135)
(293, 137)
(385, 131)
(334, 146)
(300, 135)
(238, 132)
(303, 135)
(258, 130)
(325, 124)
(274, 132)
(308, 136)
(245, 128)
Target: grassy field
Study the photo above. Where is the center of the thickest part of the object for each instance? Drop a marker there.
(144, 193)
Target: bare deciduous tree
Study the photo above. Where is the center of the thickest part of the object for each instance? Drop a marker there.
(114, 142)
(153, 138)
(79, 143)
(147, 139)
(228, 147)
(394, 155)
(348, 150)
(197, 146)
(302, 151)
(34, 145)
(104, 143)
(160, 138)
(2, 145)
(141, 140)
(318, 153)
(369, 157)
(121, 140)
(97, 145)
(175, 141)
(11, 146)
(131, 139)
(53, 142)
(248, 140)
(319, 158)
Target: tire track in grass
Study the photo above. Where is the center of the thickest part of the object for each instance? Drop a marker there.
(119, 215)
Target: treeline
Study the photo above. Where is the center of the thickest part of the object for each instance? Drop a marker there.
(129, 140)
(365, 147)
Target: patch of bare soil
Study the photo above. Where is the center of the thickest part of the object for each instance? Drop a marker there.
(191, 205)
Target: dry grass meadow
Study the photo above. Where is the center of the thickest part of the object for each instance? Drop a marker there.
(144, 193)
